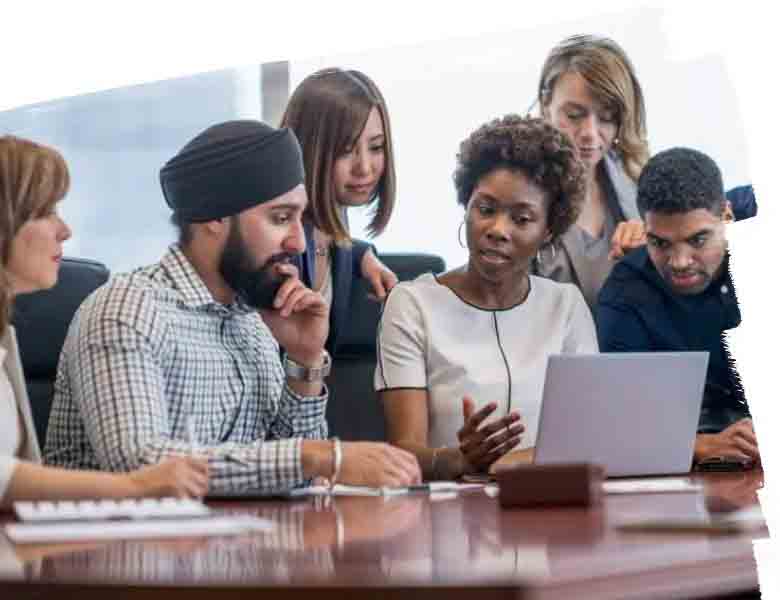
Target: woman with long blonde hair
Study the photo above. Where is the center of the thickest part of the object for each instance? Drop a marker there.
(588, 89)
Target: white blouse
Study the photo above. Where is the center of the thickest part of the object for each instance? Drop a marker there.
(431, 339)
(17, 435)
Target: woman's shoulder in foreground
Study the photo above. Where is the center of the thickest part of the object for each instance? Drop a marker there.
(557, 294)
(550, 287)
(424, 283)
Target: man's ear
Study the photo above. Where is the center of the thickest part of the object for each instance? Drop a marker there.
(727, 214)
(217, 227)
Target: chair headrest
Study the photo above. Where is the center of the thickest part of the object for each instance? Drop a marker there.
(359, 337)
(42, 318)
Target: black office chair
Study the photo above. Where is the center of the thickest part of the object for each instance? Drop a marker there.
(354, 411)
(41, 320)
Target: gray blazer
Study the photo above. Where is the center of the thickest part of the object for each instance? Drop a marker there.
(566, 262)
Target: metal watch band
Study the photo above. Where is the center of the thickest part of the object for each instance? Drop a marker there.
(308, 374)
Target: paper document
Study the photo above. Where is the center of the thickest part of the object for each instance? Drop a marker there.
(431, 487)
(651, 485)
(741, 521)
(28, 533)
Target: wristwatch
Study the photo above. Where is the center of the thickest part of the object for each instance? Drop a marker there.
(308, 374)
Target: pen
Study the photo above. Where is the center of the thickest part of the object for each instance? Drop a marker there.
(432, 486)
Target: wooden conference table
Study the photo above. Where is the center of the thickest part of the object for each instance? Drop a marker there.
(418, 547)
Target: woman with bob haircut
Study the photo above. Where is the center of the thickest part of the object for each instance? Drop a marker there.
(33, 179)
(341, 121)
(588, 90)
(455, 348)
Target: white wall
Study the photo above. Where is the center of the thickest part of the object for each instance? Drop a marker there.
(438, 92)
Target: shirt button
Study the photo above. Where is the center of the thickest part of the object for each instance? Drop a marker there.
(724, 289)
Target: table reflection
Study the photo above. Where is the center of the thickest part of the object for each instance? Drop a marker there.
(467, 539)
(309, 539)
(732, 491)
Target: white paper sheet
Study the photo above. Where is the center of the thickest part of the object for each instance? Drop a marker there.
(646, 485)
(27, 533)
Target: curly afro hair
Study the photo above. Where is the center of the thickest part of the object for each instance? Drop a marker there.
(680, 180)
(530, 145)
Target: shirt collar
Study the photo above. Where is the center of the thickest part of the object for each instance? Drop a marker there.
(193, 289)
(185, 278)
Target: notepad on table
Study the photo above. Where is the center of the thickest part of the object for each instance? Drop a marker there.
(656, 485)
(431, 487)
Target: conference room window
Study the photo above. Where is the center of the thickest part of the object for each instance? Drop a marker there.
(437, 92)
(116, 141)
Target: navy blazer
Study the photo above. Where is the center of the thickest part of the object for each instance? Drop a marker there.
(743, 202)
(345, 267)
(638, 312)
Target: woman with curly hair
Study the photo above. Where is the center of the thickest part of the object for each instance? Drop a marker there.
(455, 348)
(588, 90)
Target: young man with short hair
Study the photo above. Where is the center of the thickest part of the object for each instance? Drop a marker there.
(676, 293)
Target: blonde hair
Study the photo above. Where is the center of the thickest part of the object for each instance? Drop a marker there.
(33, 178)
(611, 78)
(327, 112)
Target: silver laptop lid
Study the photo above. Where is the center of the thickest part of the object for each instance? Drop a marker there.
(633, 413)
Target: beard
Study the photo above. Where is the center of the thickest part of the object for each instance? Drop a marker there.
(257, 286)
(705, 279)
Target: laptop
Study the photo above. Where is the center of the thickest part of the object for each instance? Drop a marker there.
(633, 413)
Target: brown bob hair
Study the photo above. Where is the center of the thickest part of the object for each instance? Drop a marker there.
(33, 178)
(611, 78)
(327, 112)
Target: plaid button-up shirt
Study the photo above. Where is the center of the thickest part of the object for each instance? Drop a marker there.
(152, 365)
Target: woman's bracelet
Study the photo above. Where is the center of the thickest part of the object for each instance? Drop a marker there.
(337, 456)
(434, 458)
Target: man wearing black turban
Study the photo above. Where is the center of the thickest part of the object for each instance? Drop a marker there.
(182, 357)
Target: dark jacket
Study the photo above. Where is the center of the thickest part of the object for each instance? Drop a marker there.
(345, 266)
(743, 202)
(638, 312)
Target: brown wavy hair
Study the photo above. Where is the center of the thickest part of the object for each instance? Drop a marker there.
(33, 178)
(611, 77)
(544, 154)
(327, 112)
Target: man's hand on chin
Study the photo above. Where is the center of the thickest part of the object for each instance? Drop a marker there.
(299, 319)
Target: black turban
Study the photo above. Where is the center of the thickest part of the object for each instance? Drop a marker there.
(231, 167)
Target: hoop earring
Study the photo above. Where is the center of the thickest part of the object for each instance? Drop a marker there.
(460, 227)
(550, 245)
